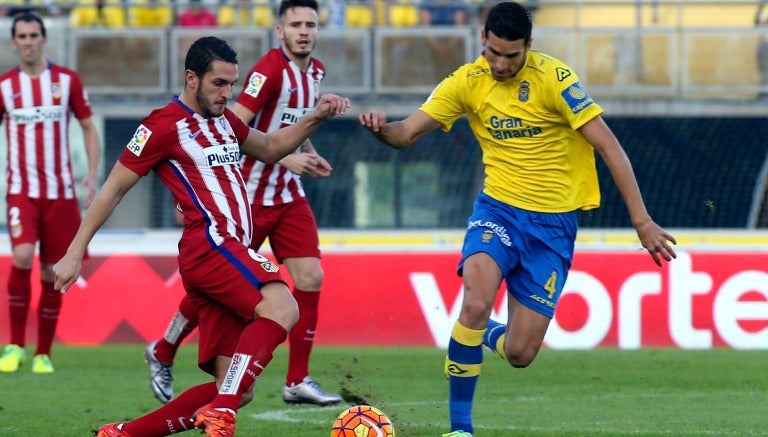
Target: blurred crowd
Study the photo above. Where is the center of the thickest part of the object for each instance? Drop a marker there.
(260, 13)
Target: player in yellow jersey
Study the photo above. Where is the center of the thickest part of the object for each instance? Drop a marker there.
(538, 130)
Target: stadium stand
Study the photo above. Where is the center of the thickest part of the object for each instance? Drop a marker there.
(242, 13)
(98, 13)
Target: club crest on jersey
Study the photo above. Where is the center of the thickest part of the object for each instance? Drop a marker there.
(266, 264)
(255, 83)
(524, 92)
(56, 90)
(139, 140)
(225, 154)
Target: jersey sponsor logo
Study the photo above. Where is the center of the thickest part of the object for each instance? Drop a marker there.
(38, 114)
(225, 154)
(293, 115)
(576, 98)
(562, 73)
(502, 128)
(255, 83)
(139, 140)
(292, 90)
(497, 229)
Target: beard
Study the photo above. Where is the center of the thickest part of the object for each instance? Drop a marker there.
(206, 106)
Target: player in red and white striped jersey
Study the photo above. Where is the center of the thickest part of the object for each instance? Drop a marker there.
(37, 99)
(245, 308)
(280, 88)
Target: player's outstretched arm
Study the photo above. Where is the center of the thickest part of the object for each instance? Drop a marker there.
(398, 134)
(653, 237)
(273, 146)
(119, 182)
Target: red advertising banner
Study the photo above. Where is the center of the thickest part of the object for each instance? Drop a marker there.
(611, 299)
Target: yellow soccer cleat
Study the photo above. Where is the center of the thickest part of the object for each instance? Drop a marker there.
(13, 357)
(41, 364)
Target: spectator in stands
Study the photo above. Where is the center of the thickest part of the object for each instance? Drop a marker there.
(196, 15)
(242, 13)
(761, 21)
(444, 48)
(98, 13)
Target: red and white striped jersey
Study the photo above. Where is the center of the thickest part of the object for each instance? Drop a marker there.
(198, 159)
(279, 93)
(36, 111)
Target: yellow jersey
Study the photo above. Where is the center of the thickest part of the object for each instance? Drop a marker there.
(534, 157)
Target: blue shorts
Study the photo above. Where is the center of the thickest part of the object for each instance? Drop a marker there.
(534, 250)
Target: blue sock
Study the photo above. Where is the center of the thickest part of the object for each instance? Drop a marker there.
(491, 337)
(463, 365)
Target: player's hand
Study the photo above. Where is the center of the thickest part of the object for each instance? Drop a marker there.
(307, 163)
(90, 182)
(373, 120)
(656, 241)
(331, 105)
(66, 272)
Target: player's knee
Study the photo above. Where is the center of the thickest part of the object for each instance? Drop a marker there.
(521, 357)
(310, 279)
(475, 309)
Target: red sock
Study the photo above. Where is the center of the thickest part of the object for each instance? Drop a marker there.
(48, 317)
(182, 324)
(19, 295)
(175, 416)
(254, 351)
(302, 336)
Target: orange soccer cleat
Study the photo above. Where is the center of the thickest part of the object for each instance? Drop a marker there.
(215, 423)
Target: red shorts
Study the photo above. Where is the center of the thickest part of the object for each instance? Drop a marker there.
(291, 228)
(224, 287)
(52, 222)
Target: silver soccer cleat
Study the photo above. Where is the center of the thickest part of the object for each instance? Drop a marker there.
(308, 392)
(160, 377)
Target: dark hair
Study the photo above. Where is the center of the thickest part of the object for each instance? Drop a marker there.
(204, 51)
(288, 4)
(27, 17)
(509, 21)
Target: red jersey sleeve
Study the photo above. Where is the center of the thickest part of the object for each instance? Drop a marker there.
(150, 144)
(240, 129)
(264, 82)
(78, 99)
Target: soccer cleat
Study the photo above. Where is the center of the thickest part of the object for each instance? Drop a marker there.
(308, 392)
(213, 422)
(13, 357)
(160, 376)
(458, 433)
(41, 364)
(111, 430)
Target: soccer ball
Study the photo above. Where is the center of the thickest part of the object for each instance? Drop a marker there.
(362, 421)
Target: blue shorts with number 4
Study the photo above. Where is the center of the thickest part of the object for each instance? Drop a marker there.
(533, 249)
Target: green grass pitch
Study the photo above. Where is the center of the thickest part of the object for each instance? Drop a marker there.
(602, 392)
